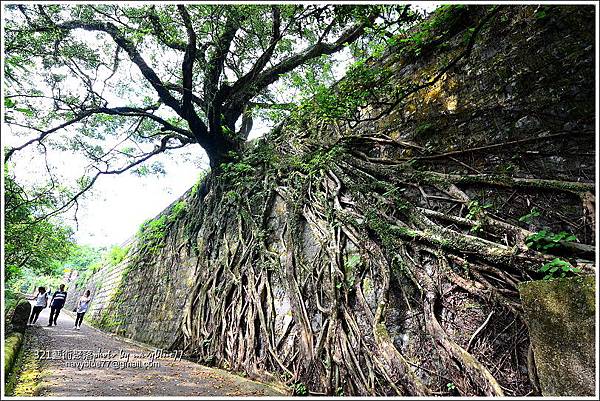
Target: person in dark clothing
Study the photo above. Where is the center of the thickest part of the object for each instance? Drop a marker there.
(56, 304)
(41, 301)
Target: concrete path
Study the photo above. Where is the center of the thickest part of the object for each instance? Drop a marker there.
(88, 362)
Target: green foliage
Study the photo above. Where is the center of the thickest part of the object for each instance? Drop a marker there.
(351, 264)
(557, 268)
(46, 44)
(363, 81)
(28, 281)
(10, 301)
(476, 210)
(10, 107)
(542, 12)
(85, 275)
(232, 196)
(155, 168)
(545, 240)
(201, 177)
(82, 257)
(530, 216)
(317, 161)
(238, 169)
(32, 244)
(227, 132)
(450, 386)
(116, 254)
(177, 210)
(299, 388)
(152, 233)
(427, 31)
(425, 129)
(152, 230)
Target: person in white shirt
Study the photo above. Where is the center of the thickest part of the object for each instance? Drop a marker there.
(82, 306)
(41, 301)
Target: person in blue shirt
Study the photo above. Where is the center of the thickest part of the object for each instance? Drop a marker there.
(56, 304)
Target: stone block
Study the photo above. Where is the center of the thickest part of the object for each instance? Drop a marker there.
(561, 317)
(20, 315)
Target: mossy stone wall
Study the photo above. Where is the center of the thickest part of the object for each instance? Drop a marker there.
(140, 301)
(561, 316)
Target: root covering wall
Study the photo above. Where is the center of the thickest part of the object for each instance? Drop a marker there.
(373, 243)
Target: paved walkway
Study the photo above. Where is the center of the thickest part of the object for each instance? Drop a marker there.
(61, 377)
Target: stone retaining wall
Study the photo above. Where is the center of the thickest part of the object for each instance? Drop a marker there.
(144, 303)
(14, 334)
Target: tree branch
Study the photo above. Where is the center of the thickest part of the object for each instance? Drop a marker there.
(44, 134)
(266, 56)
(121, 111)
(217, 61)
(245, 92)
(157, 150)
(188, 63)
(160, 33)
(134, 55)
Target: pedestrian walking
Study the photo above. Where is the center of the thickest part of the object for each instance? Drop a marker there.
(41, 301)
(82, 306)
(56, 304)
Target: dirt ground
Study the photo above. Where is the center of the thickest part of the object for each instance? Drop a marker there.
(88, 362)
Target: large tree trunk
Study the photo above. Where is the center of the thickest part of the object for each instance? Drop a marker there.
(380, 256)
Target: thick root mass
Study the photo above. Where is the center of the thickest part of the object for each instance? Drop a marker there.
(349, 258)
(345, 285)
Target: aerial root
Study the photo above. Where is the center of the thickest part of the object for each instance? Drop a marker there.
(332, 337)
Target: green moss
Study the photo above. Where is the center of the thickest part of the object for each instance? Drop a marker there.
(381, 331)
(12, 345)
(116, 254)
(199, 181)
(152, 233)
(367, 286)
(177, 210)
(26, 378)
(561, 316)
(10, 302)
(425, 130)
(351, 265)
(109, 320)
(472, 305)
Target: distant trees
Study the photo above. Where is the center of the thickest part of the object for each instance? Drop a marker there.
(31, 244)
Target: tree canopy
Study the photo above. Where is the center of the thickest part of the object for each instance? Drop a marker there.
(31, 244)
(158, 78)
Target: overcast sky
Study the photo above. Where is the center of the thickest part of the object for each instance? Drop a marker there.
(120, 203)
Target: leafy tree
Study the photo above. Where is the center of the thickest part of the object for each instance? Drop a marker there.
(31, 244)
(159, 78)
(82, 257)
